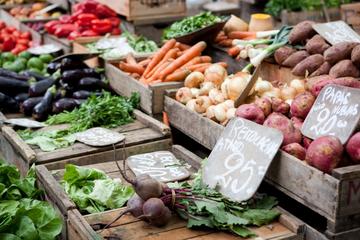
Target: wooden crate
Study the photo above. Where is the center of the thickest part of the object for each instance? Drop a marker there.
(293, 18)
(151, 97)
(350, 13)
(79, 46)
(139, 9)
(144, 134)
(9, 19)
(80, 226)
(64, 43)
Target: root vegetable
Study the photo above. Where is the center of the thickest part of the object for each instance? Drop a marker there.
(288, 93)
(283, 124)
(264, 104)
(233, 87)
(195, 92)
(324, 153)
(308, 65)
(205, 88)
(216, 96)
(306, 142)
(191, 105)
(316, 45)
(295, 58)
(215, 74)
(298, 122)
(274, 92)
(355, 55)
(279, 106)
(220, 113)
(353, 147)
(202, 103)
(302, 104)
(147, 187)
(156, 212)
(296, 150)
(310, 82)
(231, 113)
(344, 68)
(184, 95)
(323, 69)
(345, 81)
(251, 112)
(229, 104)
(299, 85)
(338, 52)
(281, 54)
(262, 86)
(210, 112)
(301, 32)
(235, 24)
(194, 79)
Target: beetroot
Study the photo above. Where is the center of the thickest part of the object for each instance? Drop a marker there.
(156, 212)
(283, 124)
(278, 105)
(298, 122)
(295, 150)
(265, 105)
(306, 142)
(301, 105)
(353, 147)
(324, 153)
(251, 112)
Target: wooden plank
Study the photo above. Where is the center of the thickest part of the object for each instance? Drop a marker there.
(9, 19)
(185, 155)
(346, 235)
(152, 123)
(78, 228)
(159, 92)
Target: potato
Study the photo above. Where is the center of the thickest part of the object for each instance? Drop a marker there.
(296, 150)
(251, 112)
(309, 64)
(345, 81)
(313, 80)
(283, 53)
(344, 68)
(355, 55)
(306, 142)
(298, 122)
(301, 105)
(265, 104)
(324, 153)
(316, 45)
(323, 69)
(295, 58)
(278, 105)
(283, 124)
(353, 147)
(339, 52)
(301, 32)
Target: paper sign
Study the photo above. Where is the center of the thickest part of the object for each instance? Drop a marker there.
(335, 112)
(240, 158)
(336, 32)
(161, 165)
(25, 122)
(99, 137)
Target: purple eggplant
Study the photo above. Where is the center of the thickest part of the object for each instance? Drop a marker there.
(28, 105)
(83, 94)
(8, 104)
(39, 88)
(91, 84)
(10, 74)
(42, 110)
(30, 74)
(21, 97)
(10, 86)
(73, 76)
(65, 104)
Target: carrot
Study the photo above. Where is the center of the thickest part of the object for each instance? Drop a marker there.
(183, 46)
(199, 59)
(177, 76)
(226, 43)
(233, 51)
(241, 35)
(196, 66)
(179, 54)
(189, 54)
(127, 67)
(159, 55)
(130, 59)
(158, 71)
(220, 38)
(166, 119)
(172, 53)
(201, 68)
(145, 62)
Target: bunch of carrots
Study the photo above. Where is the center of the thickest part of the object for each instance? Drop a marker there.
(173, 62)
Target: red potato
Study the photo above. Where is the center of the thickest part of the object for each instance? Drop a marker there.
(251, 112)
(353, 147)
(265, 105)
(295, 58)
(345, 81)
(301, 32)
(278, 105)
(281, 54)
(324, 153)
(344, 68)
(322, 70)
(310, 82)
(339, 52)
(283, 124)
(355, 55)
(301, 105)
(298, 122)
(306, 142)
(308, 65)
(296, 150)
(316, 44)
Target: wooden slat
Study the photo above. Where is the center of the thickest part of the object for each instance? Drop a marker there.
(152, 123)
(158, 92)
(185, 155)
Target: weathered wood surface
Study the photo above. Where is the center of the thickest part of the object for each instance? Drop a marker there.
(62, 42)
(293, 18)
(9, 19)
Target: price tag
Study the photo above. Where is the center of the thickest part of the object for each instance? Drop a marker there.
(336, 32)
(240, 158)
(161, 165)
(25, 122)
(335, 112)
(99, 137)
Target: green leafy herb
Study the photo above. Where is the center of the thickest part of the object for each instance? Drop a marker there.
(190, 24)
(139, 43)
(93, 191)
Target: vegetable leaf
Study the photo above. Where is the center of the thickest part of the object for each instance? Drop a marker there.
(242, 231)
(260, 217)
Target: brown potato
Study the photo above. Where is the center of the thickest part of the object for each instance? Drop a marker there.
(309, 64)
(283, 53)
(344, 68)
(316, 45)
(338, 52)
(295, 58)
(301, 32)
(355, 55)
(323, 69)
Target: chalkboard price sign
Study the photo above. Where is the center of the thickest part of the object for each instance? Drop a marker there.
(240, 158)
(336, 112)
(336, 32)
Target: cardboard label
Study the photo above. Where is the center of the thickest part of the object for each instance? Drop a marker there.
(161, 165)
(337, 32)
(99, 137)
(336, 112)
(240, 158)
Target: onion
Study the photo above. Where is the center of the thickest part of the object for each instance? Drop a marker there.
(235, 24)
(202, 103)
(233, 87)
(229, 104)
(230, 113)
(220, 113)
(216, 74)
(275, 92)
(243, 54)
(191, 105)
(216, 96)
(299, 85)
(262, 86)
(183, 95)
(288, 93)
(206, 87)
(194, 79)
(210, 112)
(195, 92)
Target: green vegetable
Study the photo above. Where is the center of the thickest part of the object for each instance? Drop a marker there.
(25, 55)
(46, 58)
(93, 191)
(35, 62)
(190, 24)
(7, 56)
(22, 215)
(139, 43)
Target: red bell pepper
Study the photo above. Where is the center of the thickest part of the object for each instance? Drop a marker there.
(65, 19)
(25, 35)
(51, 26)
(85, 19)
(101, 26)
(116, 31)
(89, 33)
(103, 11)
(2, 24)
(64, 30)
(73, 35)
(114, 21)
(8, 44)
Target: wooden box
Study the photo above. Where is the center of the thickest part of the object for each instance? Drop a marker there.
(144, 134)
(79, 46)
(64, 43)
(140, 9)
(81, 226)
(151, 97)
(293, 18)
(350, 13)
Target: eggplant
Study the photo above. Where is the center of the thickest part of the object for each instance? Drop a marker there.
(91, 84)
(65, 104)
(28, 105)
(21, 97)
(71, 64)
(12, 86)
(42, 110)
(83, 94)
(31, 74)
(53, 67)
(8, 104)
(73, 76)
(60, 93)
(10, 74)
(39, 88)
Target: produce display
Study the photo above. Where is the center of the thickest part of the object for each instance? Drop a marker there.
(13, 40)
(32, 12)
(12, 2)
(23, 215)
(25, 62)
(88, 19)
